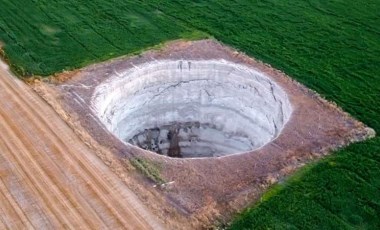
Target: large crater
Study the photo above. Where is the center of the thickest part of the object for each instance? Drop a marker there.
(192, 108)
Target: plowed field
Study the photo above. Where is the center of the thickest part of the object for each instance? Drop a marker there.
(48, 178)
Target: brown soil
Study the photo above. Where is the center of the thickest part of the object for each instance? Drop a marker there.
(206, 190)
(49, 179)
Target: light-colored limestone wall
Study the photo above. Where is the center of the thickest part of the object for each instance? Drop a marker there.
(218, 107)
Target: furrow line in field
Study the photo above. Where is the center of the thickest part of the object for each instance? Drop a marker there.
(89, 174)
(57, 156)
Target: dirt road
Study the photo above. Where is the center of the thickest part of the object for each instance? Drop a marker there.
(48, 178)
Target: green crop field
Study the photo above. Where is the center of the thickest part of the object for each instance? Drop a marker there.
(43, 37)
(331, 46)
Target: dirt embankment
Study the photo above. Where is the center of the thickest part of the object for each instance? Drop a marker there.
(204, 190)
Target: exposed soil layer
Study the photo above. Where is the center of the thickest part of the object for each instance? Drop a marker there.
(191, 108)
(216, 187)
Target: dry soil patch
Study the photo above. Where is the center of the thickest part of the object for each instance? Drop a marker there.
(205, 188)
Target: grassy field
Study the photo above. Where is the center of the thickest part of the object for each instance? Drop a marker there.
(332, 47)
(340, 192)
(43, 37)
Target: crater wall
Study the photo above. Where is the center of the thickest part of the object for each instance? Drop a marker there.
(187, 108)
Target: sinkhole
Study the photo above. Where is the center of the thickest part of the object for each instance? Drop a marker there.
(192, 108)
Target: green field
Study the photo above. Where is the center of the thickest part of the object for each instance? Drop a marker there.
(43, 37)
(332, 47)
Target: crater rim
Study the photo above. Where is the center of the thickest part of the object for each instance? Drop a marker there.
(111, 90)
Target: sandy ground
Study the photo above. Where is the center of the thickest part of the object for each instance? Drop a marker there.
(203, 191)
(48, 178)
